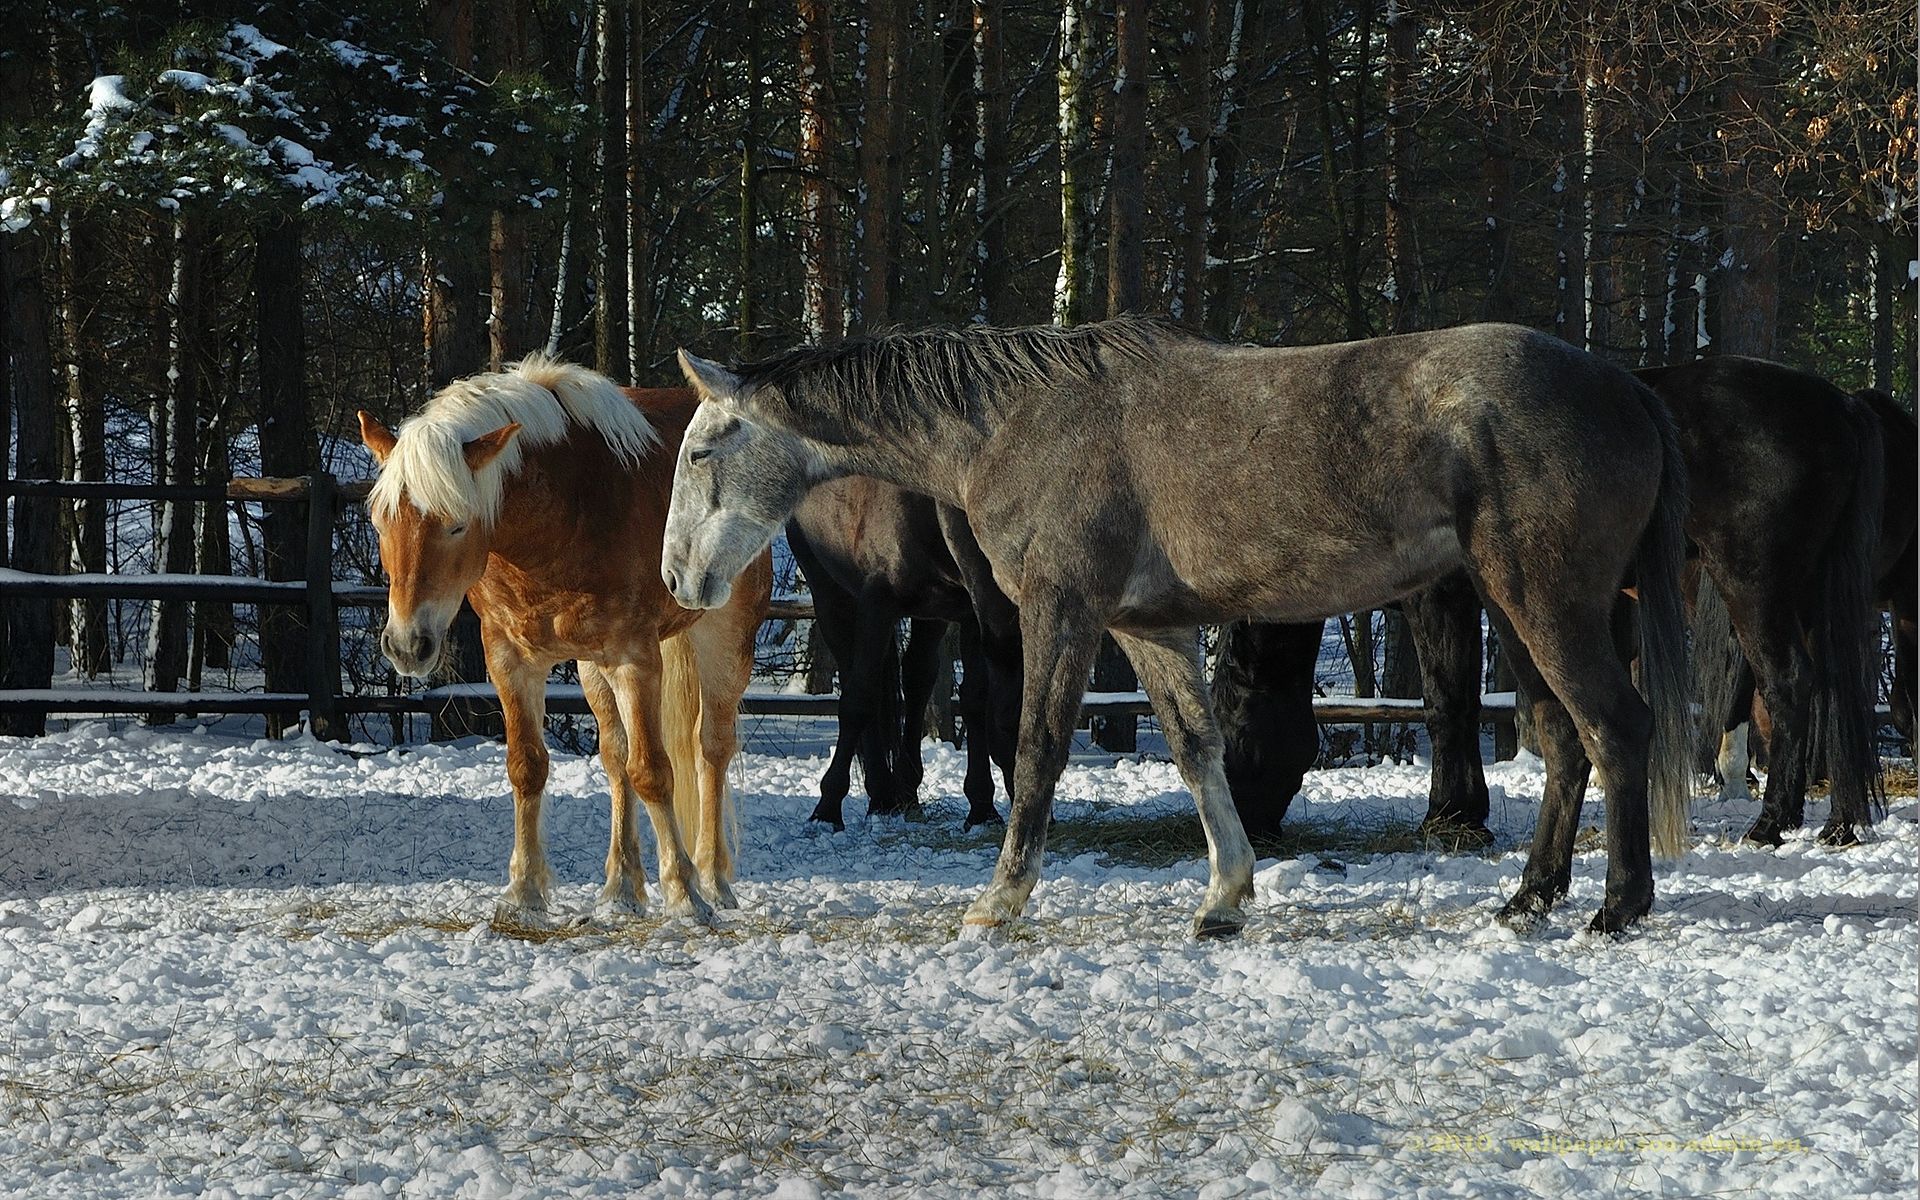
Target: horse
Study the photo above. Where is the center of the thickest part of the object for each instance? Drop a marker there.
(540, 493)
(1894, 589)
(873, 553)
(1129, 476)
(1785, 552)
(1263, 702)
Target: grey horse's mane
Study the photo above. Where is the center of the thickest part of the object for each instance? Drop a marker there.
(898, 378)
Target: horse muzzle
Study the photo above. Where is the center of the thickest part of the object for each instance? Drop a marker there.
(413, 652)
(696, 589)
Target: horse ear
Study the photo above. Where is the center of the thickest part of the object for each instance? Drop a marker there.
(487, 447)
(713, 381)
(377, 438)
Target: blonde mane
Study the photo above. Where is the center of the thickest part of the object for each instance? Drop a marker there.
(543, 395)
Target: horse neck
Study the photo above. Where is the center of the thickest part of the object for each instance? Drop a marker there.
(931, 458)
(569, 497)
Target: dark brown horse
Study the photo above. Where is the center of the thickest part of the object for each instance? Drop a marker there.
(873, 553)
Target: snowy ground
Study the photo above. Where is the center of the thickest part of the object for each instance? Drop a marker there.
(238, 967)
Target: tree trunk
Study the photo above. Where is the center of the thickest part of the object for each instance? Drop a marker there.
(1888, 264)
(1403, 270)
(879, 167)
(611, 314)
(287, 445)
(88, 650)
(1071, 301)
(821, 307)
(990, 274)
(177, 420)
(1193, 67)
(1567, 112)
(1127, 181)
(1606, 209)
(1224, 170)
(639, 199)
(1345, 223)
(1748, 303)
(572, 226)
(1496, 175)
(26, 629)
(213, 631)
(1126, 283)
(749, 201)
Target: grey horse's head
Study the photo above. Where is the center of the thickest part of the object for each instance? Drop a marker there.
(736, 481)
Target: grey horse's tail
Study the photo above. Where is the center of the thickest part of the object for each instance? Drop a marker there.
(1843, 631)
(1717, 660)
(1663, 642)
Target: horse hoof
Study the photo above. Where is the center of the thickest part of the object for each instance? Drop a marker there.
(1217, 923)
(1839, 834)
(994, 908)
(618, 910)
(1764, 834)
(976, 819)
(693, 905)
(826, 818)
(1526, 910)
(1614, 920)
(720, 893)
(515, 914)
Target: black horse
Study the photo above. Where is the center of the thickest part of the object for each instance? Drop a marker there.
(873, 553)
(1787, 496)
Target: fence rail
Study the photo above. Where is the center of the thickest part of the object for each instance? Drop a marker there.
(321, 595)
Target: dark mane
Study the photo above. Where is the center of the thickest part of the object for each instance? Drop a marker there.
(897, 378)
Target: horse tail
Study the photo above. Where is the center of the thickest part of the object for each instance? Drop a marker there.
(1717, 659)
(680, 729)
(1663, 641)
(1844, 639)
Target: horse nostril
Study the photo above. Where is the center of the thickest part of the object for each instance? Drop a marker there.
(673, 581)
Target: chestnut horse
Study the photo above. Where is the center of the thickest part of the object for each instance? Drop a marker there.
(540, 494)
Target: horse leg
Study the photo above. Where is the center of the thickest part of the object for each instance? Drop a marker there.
(1445, 621)
(1549, 870)
(1059, 633)
(1783, 674)
(1731, 764)
(975, 712)
(522, 686)
(722, 644)
(870, 698)
(1171, 671)
(998, 620)
(625, 892)
(1589, 704)
(835, 617)
(636, 689)
(919, 673)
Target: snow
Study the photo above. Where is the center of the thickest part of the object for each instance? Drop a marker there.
(243, 967)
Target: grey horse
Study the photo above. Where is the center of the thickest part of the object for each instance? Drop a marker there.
(1128, 476)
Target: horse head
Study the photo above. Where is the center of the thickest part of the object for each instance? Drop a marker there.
(738, 478)
(431, 550)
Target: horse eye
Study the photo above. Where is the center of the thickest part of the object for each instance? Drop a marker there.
(700, 455)
(456, 531)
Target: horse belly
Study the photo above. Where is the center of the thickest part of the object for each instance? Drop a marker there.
(1292, 579)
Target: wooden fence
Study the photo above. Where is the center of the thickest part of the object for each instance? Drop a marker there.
(321, 597)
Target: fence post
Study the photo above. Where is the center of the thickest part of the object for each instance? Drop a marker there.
(323, 623)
